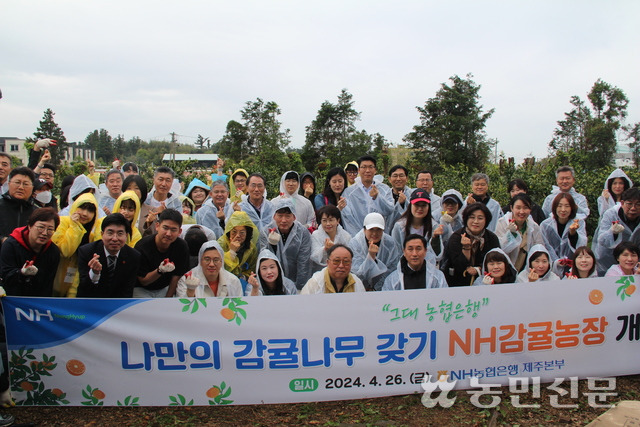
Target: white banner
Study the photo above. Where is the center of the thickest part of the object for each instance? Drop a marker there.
(157, 352)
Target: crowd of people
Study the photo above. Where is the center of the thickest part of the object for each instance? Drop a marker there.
(224, 237)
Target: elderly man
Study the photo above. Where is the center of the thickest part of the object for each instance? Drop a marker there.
(618, 224)
(259, 209)
(164, 258)
(336, 277)
(565, 178)
(108, 267)
(216, 209)
(113, 183)
(28, 259)
(290, 241)
(16, 204)
(365, 197)
(375, 253)
(413, 271)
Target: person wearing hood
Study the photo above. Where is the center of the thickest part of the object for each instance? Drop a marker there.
(365, 197)
(518, 232)
(198, 192)
(626, 255)
(161, 196)
(563, 232)
(538, 267)
(42, 193)
(468, 246)
(329, 233)
(75, 230)
(28, 259)
(583, 265)
(290, 241)
(336, 277)
(81, 185)
(565, 178)
(216, 209)
(517, 186)
(375, 253)
(413, 271)
(450, 217)
(240, 245)
(614, 186)
(618, 224)
(113, 189)
(497, 269)
(16, 205)
(128, 204)
(256, 205)
(351, 170)
(238, 186)
(417, 220)
(188, 210)
(480, 194)
(303, 209)
(209, 278)
(269, 279)
(308, 187)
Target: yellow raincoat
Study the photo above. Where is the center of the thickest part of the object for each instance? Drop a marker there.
(247, 264)
(188, 219)
(232, 186)
(68, 237)
(135, 236)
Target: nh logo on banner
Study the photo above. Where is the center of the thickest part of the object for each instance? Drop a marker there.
(32, 315)
(445, 387)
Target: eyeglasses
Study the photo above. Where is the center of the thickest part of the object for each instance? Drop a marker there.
(367, 167)
(44, 230)
(207, 260)
(352, 172)
(424, 180)
(25, 184)
(46, 175)
(632, 205)
(254, 185)
(336, 262)
(398, 175)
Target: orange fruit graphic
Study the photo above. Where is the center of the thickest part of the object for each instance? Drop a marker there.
(213, 392)
(596, 296)
(98, 394)
(26, 386)
(75, 367)
(57, 392)
(227, 313)
(630, 289)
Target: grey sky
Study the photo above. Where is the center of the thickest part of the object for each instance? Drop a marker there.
(148, 68)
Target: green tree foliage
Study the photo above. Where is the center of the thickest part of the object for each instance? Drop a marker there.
(202, 143)
(587, 135)
(633, 133)
(333, 137)
(451, 129)
(48, 128)
(101, 142)
(234, 143)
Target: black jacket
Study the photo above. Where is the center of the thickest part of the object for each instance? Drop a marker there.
(14, 213)
(120, 285)
(15, 252)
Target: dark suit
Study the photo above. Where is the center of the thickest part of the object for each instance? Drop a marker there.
(118, 285)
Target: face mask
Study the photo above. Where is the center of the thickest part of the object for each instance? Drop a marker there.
(44, 197)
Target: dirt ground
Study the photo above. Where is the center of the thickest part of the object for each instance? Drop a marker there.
(390, 411)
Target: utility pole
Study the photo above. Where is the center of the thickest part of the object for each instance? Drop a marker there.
(173, 146)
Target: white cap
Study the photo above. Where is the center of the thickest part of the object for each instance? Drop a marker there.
(373, 220)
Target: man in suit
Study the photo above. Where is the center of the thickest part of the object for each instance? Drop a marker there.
(108, 267)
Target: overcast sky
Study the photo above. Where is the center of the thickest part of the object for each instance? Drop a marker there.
(148, 68)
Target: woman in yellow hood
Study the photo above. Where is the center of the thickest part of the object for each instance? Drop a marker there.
(188, 210)
(240, 244)
(237, 189)
(74, 231)
(128, 204)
